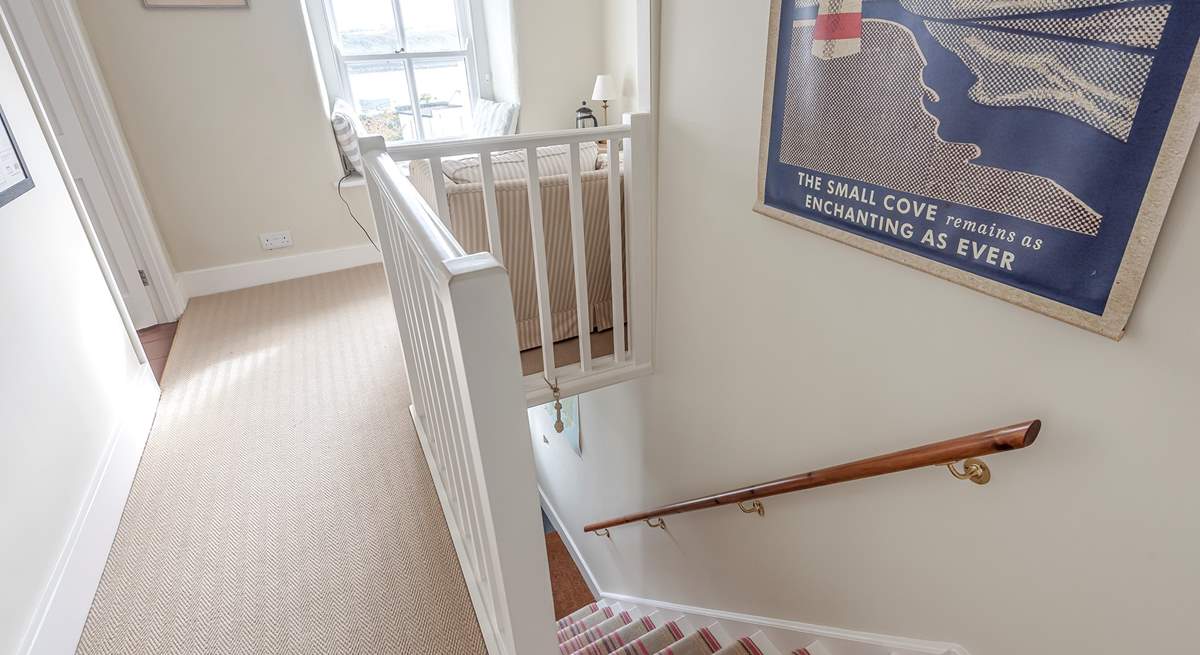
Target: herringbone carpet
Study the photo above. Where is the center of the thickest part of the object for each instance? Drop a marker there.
(283, 504)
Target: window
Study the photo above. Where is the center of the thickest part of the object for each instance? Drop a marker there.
(408, 66)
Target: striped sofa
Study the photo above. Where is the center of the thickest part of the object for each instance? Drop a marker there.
(468, 223)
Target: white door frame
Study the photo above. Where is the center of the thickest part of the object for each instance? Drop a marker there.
(71, 86)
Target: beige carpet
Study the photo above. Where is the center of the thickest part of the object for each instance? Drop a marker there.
(283, 504)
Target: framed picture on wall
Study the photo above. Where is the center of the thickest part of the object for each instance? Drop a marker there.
(1027, 149)
(157, 4)
(14, 175)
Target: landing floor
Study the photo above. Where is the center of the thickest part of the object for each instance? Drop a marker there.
(283, 504)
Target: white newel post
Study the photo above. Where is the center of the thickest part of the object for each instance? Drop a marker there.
(484, 326)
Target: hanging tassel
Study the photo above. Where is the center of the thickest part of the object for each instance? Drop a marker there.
(559, 426)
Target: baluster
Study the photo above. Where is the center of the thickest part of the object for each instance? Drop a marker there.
(616, 249)
(579, 256)
(638, 174)
(490, 207)
(439, 189)
(460, 451)
(436, 424)
(540, 264)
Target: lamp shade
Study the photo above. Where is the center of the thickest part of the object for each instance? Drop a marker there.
(605, 89)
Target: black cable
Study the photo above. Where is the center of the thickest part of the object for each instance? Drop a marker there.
(351, 212)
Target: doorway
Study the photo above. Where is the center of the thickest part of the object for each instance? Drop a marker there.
(70, 85)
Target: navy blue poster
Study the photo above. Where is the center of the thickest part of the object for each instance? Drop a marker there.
(1027, 148)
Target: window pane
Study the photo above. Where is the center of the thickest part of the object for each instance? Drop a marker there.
(366, 26)
(445, 97)
(431, 25)
(380, 90)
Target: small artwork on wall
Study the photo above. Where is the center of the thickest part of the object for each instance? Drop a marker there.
(156, 4)
(14, 175)
(550, 422)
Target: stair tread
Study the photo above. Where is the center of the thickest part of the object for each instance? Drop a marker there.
(590, 621)
(700, 642)
(580, 613)
(657, 639)
(622, 637)
(755, 644)
(623, 618)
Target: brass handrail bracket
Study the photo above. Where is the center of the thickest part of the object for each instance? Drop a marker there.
(662, 523)
(756, 507)
(974, 469)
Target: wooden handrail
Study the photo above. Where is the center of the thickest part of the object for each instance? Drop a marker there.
(990, 442)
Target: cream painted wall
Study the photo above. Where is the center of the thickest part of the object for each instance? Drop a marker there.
(223, 113)
(620, 54)
(67, 366)
(779, 351)
(560, 51)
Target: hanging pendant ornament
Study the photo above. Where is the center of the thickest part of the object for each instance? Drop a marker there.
(559, 426)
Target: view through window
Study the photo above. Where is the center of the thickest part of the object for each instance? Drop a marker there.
(409, 66)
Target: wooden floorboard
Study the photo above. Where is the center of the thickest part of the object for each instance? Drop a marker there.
(157, 341)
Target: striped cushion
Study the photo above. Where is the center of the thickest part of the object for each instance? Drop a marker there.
(581, 626)
(578, 614)
(654, 641)
(491, 118)
(745, 646)
(701, 642)
(612, 642)
(510, 164)
(579, 641)
(347, 128)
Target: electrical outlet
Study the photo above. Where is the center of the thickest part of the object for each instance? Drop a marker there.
(276, 240)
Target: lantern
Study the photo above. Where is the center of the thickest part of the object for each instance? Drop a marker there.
(584, 117)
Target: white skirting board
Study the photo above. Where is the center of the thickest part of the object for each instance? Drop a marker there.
(206, 281)
(786, 635)
(63, 608)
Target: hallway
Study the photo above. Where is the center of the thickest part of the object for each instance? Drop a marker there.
(283, 503)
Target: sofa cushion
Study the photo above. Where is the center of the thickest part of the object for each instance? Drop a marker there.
(510, 164)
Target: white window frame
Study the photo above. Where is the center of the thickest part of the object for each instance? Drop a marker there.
(334, 64)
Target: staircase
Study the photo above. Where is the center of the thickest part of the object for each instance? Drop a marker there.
(605, 628)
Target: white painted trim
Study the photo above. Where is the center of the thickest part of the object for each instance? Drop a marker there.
(99, 119)
(569, 542)
(804, 632)
(491, 638)
(205, 281)
(58, 620)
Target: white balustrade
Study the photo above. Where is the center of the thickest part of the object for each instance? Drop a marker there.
(458, 331)
(629, 187)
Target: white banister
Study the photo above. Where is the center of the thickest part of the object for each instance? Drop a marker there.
(541, 263)
(626, 189)
(425, 150)
(579, 259)
(439, 186)
(458, 331)
(639, 235)
(489, 205)
(616, 248)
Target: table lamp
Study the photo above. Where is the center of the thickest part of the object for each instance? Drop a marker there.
(605, 90)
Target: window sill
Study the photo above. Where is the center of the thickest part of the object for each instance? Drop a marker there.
(350, 182)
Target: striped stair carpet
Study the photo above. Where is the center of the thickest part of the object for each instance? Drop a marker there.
(605, 628)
